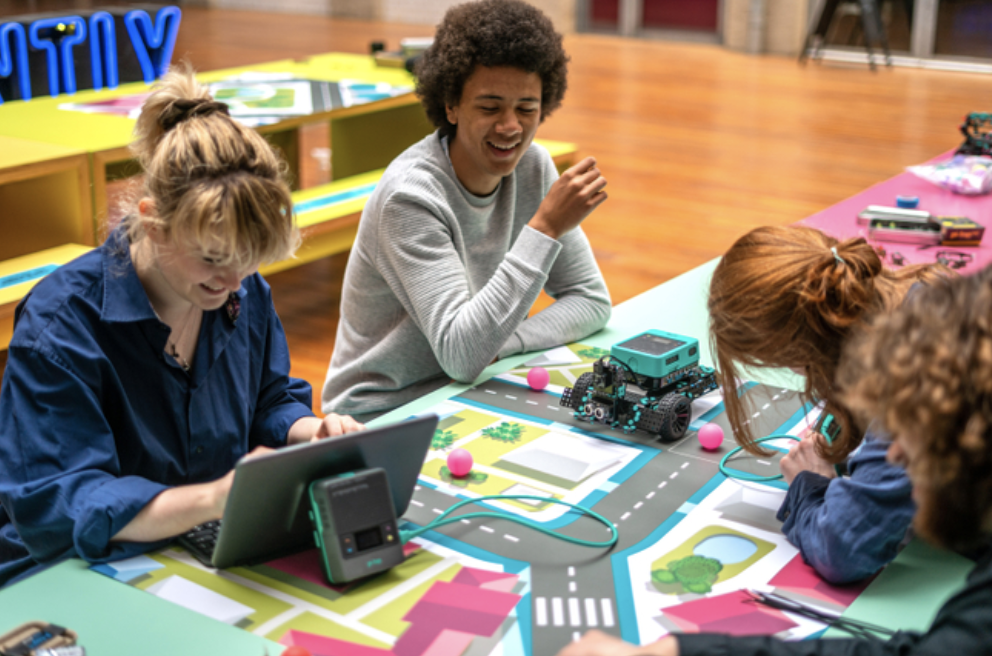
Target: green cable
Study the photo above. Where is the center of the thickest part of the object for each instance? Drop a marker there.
(744, 476)
(439, 521)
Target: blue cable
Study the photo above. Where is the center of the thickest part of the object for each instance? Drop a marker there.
(439, 521)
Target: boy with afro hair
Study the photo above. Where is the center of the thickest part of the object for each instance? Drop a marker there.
(468, 225)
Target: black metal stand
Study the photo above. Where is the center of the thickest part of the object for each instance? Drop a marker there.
(871, 21)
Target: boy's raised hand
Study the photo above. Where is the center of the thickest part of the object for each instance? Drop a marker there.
(571, 199)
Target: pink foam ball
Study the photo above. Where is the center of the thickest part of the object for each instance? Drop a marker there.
(710, 437)
(538, 378)
(459, 462)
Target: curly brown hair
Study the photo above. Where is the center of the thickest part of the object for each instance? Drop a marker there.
(781, 298)
(925, 371)
(490, 33)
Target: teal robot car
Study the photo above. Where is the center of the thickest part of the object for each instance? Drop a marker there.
(646, 383)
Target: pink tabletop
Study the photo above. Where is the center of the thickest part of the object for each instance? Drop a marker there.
(841, 221)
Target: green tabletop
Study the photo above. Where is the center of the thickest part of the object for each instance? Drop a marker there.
(114, 618)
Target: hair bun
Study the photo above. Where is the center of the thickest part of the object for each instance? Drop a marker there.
(182, 109)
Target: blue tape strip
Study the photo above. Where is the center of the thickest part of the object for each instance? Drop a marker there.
(25, 276)
(333, 199)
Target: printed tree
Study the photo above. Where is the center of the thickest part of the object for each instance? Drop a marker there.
(694, 573)
(593, 353)
(505, 432)
(443, 439)
(471, 478)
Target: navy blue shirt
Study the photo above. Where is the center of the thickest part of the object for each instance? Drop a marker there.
(96, 420)
(848, 528)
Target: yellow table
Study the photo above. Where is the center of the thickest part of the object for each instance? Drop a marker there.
(29, 268)
(371, 134)
(44, 196)
(55, 165)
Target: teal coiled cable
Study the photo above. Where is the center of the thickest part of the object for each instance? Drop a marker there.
(443, 519)
(745, 476)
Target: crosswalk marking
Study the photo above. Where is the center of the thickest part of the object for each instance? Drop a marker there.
(574, 614)
(591, 619)
(541, 611)
(607, 607)
(557, 612)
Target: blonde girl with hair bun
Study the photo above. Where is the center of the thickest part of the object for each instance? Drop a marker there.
(141, 372)
(791, 297)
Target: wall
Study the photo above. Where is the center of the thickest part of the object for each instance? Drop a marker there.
(783, 30)
(319, 7)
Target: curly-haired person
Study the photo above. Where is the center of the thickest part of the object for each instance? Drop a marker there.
(791, 297)
(924, 372)
(467, 226)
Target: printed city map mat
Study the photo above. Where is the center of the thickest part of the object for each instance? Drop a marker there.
(690, 542)
(564, 365)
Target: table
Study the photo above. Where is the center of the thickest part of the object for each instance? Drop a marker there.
(57, 167)
(371, 134)
(48, 185)
(113, 618)
(840, 219)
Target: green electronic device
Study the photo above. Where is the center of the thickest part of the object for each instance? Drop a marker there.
(355, 525)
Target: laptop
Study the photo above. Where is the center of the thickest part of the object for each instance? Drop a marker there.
(266, 515)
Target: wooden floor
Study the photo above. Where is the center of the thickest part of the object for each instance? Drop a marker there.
(699, 144)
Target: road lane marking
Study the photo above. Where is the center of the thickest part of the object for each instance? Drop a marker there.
(512, 398)
(571, 571)
(624, 516)
(662, 484)
(574, 614)
(551, 407)
(575, 636)
(571, 586)
(486, 529)
(490, 392)
(763, 462)
(638, 505)
(532, 402)
(511, 538)
(766, 406)
(650, 495)
(684, 465)
(541, 611)
(436, 511)
(607, 607)
(591, 619)
(557, 612)
(674, 474)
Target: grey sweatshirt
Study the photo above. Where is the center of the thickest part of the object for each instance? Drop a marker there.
(440, 281)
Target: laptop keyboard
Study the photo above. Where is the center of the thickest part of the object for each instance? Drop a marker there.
(201, 540)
